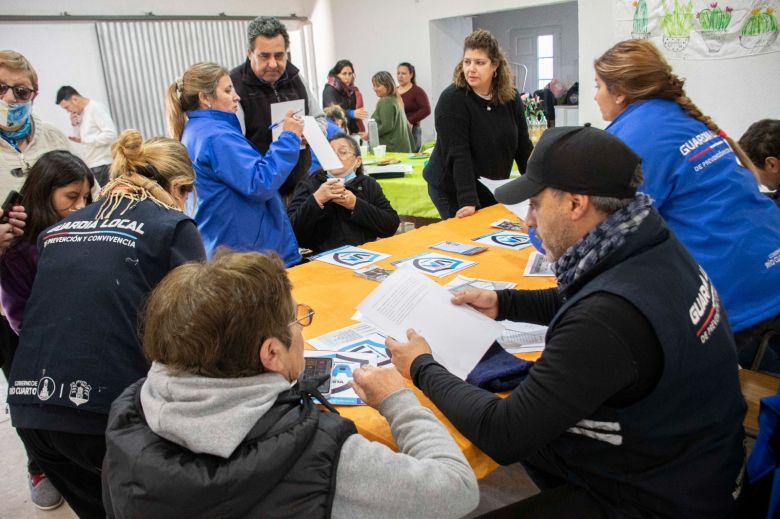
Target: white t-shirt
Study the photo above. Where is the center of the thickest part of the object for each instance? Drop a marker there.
(97, 131)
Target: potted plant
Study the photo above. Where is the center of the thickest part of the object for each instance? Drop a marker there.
(759, 30)
(714, 23)
(676, 25)
(641, 31)
(534, 117)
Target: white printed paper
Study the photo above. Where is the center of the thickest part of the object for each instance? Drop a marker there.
(357, 338)
(350, 257)
(507, 225)
(279, 112)
(462, 283)
(458, 335)
(522, 337)
(320, 145)
(435, 264)
(506, 239)
(521, 209)
(538, 265)
(344, 365)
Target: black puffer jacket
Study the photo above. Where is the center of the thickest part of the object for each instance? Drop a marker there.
(286, 466)
(334, 226)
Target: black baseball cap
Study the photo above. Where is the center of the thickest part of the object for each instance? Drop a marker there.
(576, 159)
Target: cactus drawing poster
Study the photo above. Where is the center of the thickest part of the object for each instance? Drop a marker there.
(702, 29)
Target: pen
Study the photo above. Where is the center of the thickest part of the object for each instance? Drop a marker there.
(279, 123)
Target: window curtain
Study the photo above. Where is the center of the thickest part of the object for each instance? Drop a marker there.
(140, 60)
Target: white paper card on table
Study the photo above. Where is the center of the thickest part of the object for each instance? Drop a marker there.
(522, 337)
(458, 335)
(320, 145)
(435, 264)
(350, 257)
(507, 239)
(507, 225)
(463, 282)
(538, 265)
(357, 338)
(342, 368)
(390, 168)
(520, 210)
(279, 111)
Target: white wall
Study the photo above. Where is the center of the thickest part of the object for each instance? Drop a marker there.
(169, 7)
(562, 15)
(62, 54)
(376, 36)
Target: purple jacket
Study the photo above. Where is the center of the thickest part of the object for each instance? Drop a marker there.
(18, 266)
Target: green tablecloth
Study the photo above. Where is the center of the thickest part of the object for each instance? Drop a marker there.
(408, 195)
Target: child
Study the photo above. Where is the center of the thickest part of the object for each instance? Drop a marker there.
(57, 185)
(341, 207)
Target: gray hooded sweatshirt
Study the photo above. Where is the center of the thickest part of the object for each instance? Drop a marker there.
(428, 478)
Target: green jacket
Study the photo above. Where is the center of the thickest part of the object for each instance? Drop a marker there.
(393, 129)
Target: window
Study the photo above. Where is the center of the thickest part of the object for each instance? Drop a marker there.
(544, 59)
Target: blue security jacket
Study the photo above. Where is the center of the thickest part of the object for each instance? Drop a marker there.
(711, 203)
(238, 204)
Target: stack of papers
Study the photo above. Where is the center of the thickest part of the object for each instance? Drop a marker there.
(350, 257)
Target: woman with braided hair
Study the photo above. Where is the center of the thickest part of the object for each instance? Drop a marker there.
(79, 347)
(691, 171)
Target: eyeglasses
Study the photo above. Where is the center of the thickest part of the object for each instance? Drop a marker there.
(304, 315)
(20, 93)
(345, 153)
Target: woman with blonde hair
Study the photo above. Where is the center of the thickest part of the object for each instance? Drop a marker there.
(480, 127)
(79, 348)
(238, 201)
(394, 131)
(691, 171)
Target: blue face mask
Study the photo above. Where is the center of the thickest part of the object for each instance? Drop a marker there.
(14, 116)
(347, 175)
(535, 240)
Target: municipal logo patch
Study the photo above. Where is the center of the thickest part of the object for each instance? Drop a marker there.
(79, 392)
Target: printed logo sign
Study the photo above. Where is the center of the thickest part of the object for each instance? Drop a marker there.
(353, 258)
(510, 240)
(434, 265)
(79, 392)
(46, 388)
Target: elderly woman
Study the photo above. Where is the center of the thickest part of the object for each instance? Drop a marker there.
(416, 104)
(343, 206)
(238, 202)
(480, 127)
(692, 174)
(23, 136)
(79, 347)
(341, 90)
(389, 114)
(221, 427)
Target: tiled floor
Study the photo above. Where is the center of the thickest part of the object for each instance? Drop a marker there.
(505, 485)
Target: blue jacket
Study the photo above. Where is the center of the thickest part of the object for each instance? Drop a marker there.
(711, 203)
(237, 188)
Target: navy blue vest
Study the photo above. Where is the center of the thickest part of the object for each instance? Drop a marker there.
(678, 451)
(79, 346)
(286, 466)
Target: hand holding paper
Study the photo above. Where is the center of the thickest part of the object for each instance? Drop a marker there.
(404, 353)
(458, 335)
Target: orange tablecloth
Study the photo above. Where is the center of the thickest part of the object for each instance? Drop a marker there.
(334, 293)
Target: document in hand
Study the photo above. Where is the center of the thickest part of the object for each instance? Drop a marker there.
(520, 209)
(458, 335)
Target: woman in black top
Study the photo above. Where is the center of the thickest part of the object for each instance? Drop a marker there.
(480, 127)
(342, 91)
